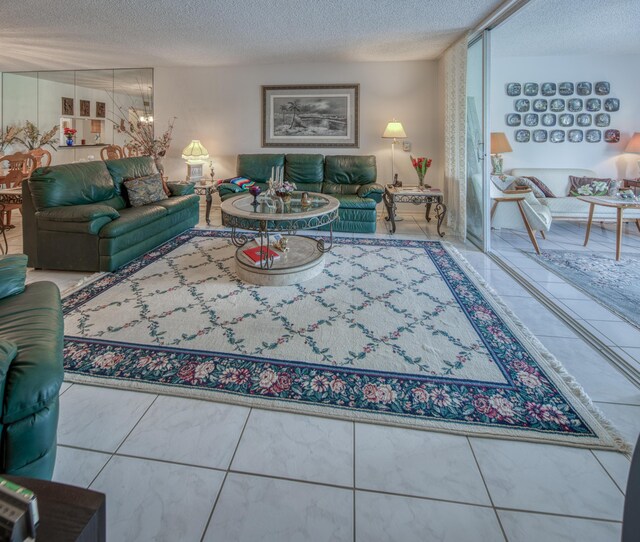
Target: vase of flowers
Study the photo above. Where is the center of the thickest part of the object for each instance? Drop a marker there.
(70, 133)
(31, 137)
(421, 165)
(284, 191)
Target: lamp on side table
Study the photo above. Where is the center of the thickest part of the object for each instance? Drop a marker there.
(196, 156)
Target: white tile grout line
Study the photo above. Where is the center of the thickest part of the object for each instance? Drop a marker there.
(608, 473)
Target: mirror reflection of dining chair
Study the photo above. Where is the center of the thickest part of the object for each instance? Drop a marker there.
(20, 167)
(111, 152)
(130, 150)
(41, 156)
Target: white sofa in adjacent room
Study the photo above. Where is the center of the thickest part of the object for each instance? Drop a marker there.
(563, 206)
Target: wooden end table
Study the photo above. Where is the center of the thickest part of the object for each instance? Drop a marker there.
(418, 196)
(620, 205)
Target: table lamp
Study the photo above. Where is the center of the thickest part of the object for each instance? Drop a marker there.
(499, 144)
(634, 145)
(196, 156)
(395, 131)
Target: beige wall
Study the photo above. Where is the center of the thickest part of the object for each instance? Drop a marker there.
(222, 108)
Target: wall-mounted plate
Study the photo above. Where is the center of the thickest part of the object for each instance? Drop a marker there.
(574, 105)
(594, 104)
(583, 119)
(612, 136)
(556, 105)
(531, 119)
(548, 89)
(565, 89)
(575, 136)
(593, 136)
(523, 136)
(565, 120)
(530, 89)
(556, 136)
(602, 88)
(522, 105)
(514, 89)
(539, 105)
(514, 119)
(602, 120)
(612, 104)
(548, 119)
(583, 88)
(540, 136)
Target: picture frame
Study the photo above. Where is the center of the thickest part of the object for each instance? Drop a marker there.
(311, 115)
(67, 106)
(101, 110)
(85, 108)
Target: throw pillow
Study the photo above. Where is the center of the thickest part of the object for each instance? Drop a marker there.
(144, 190)
(539, 189)
(591, 186)
(241, 182)
(503, 182)
(13, 273)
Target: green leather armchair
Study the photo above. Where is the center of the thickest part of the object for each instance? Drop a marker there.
(349, 178)
(31, 370)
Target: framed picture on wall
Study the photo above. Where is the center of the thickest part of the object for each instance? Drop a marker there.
(310, 116)
(67, 106)
(85, 108)
(100, 110)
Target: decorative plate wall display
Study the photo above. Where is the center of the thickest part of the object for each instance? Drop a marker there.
(575, 136)
(581, 106)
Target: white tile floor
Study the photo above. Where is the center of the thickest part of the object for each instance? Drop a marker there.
(181, 469)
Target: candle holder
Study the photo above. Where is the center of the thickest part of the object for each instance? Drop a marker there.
(255, 191)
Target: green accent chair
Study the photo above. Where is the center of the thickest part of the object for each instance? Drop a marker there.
(349, 178)
(31, 370)
(77, 217)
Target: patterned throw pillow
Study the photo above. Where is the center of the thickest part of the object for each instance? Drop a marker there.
(539, 189)
(241, 182)
(591, 186)
(145, 190)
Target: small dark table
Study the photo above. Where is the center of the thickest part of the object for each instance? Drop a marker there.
(418, 196)
(207, 190)
(67, 513)
(8, 196)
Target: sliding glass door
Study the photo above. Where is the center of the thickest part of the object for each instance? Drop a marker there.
(477, 191)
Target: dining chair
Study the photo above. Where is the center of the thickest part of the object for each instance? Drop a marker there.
(111, 152)
(20, 167)
(130, 150)
(41, 156)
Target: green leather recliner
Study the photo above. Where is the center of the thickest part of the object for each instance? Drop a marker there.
(31, 370)
(76, 216)
(349, 178)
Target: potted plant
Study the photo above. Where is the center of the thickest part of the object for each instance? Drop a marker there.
(33, 139)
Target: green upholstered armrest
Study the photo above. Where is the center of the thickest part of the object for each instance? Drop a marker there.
(372, 190)
(181, 189)
(8, 352)
(13, 273)
(228, 188)
(77, 213)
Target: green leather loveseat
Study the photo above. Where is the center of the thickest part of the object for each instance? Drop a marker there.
(349, 178)
(31, 370)
(76, 217)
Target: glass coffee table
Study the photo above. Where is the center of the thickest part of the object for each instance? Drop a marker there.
(303, 258)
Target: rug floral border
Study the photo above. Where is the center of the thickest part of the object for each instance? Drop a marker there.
(530, 402)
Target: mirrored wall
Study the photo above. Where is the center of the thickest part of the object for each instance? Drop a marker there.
(92, 102)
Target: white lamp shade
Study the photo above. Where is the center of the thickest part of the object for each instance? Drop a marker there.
(634, 144)
(394, 130)
(195, 152)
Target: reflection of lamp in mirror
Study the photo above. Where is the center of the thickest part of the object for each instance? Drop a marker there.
(196, 156)
(395, 131)
(499, 144)
(634, 146)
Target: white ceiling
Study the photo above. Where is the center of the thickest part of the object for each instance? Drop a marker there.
(73, 34)
(570, 27)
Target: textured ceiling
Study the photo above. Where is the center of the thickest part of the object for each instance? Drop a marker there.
(570, 27)
(66, 34)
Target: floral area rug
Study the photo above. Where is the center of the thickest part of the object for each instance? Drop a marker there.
(397, 332)
(611, 283)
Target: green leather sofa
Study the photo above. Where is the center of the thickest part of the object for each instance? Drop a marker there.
(349, 178)
(76, 217)
(31, 370)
